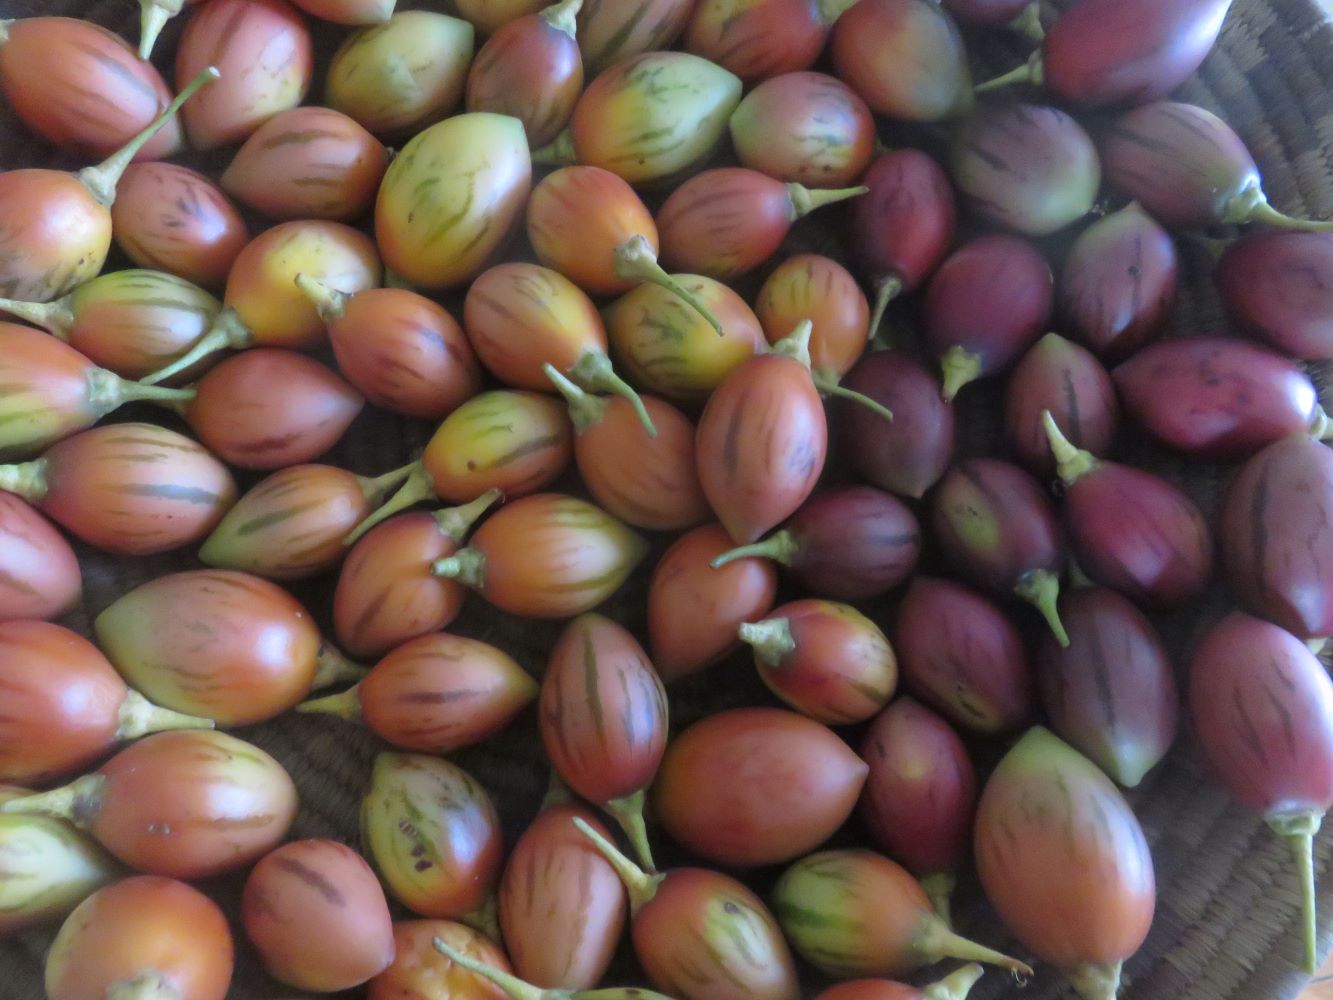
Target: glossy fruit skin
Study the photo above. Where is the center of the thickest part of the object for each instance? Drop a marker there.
(491, 15)
(1064, 378)
(262, 284)
(62, 702)
(316, 914)
(1182, 163)
(611, 30)
(134, 322)
(759, 39)
(903, 228)
(762, 441)
(50, 867)
(608, 214)
(663, 345)
(262, 49)
(142, 924)
(386, 592)
(39, 573)
(349, 11)
(1116, 520)
(1275, 286)
(291, 524)
(817, 288)
(681, 101)
(1119, 283)
(1262, 708)
(1112, 693)
(269, 409)
(57, 234)
(993, 297)
(853, 543)
(1275, 535)
(996, 525)
(191, 804)
(553, 556)
(963, 657)
(532, 70)
(521, 316)
(1059, 176)
(308, 163)
(841, 669)
(1128, 51)
(404, 353)
(135, 489)
(1040, 879)
(905, 57)
(174, 219)
(260, 640)
(704, 936)
(432, 834)
(439, 692)
(562, 905)
(443, 234)
(82, 88)
(466, 457)
(908, 456)
(1216, 397)
(598, 672)
(809, 128)
(379, 78)
(778, 785)
(419, 972)
(921, 792)
(650, 483)
(684, 587)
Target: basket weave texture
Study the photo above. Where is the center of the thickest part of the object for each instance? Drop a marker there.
(1227, 918)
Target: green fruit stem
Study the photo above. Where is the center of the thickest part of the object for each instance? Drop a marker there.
(102, 179)
(25, 479)
(1041, 589)
(56, 318)
(642, 887)
(138, 717)
(78, 802)
(829, 384)
(1031, 72)
(593, 372)
(467, 566)
(1321, 427)
(346, 705)
(1317, 644)
(153, 18)
(628, 813)
(887, 289)
(1298, 831)
(1096, 982)
(456, 522)
(1251, 205)
(1071, 463)
(107, 391)
(1028, 23)
(782, 547)
(329, 302)
(935, 941)
(939, 888)
(959, 368)
(4, 28)
(557, 153)
(375, 488)
(585, 409)
(636, 260)
(563, 16)
(519, 989)
(417, 488)
(805, 200)
(332, 667)
(147, 985)
(955, 986)
(228, 332)
(771, 640)
(831, 10)
(796, 345)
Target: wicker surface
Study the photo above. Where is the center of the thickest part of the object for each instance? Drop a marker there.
(1226, 920)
